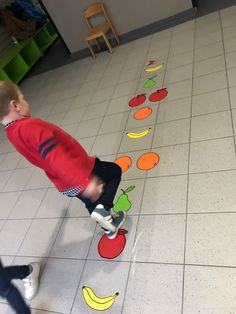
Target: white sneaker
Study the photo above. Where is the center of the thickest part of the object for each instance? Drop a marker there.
(31, 282)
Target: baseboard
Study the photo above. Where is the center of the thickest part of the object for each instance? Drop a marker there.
(143, 31)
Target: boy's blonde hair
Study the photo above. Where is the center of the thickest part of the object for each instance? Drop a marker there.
(8, 92)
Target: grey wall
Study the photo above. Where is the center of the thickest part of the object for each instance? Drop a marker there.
(127, 15)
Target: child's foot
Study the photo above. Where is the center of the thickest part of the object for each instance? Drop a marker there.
(103, 217)
(31, 282)
(118, 221)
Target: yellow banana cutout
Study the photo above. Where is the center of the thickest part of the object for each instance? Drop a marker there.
(98, 303)
(138, 135)
(155, 68)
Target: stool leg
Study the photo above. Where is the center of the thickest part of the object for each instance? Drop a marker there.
(98, 44)
(91, 49)
(107, 42)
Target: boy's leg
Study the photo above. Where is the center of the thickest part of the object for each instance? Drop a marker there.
(110, 174)
(16, 301)
(28, 273)
(10, 292)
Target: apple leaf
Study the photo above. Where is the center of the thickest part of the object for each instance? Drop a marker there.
(130, 188)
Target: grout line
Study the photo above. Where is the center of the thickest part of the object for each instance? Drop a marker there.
(227, 78)
(187, 192)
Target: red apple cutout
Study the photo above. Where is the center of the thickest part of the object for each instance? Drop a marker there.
(159, 95)
(111, 248)
(137, 101)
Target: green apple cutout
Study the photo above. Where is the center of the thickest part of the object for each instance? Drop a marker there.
(150, 82)
(123, 202)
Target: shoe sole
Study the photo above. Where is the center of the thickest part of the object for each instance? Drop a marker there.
(103, 223)
(119, 226)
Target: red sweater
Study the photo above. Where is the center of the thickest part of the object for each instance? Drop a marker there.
(48, 147)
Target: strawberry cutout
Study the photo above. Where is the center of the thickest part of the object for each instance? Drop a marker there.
(111, 248)
(159, 95)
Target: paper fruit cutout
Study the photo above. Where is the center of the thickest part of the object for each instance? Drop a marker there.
(154, 69)
(150, 82)
(111, 248)
(124, 162)
(148, 161)
(150, 62)
(159, 95)
(143, 113)
(123, 202)
(134, 135)
(98, 303)
(137, 101)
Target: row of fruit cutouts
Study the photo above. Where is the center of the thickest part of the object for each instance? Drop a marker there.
(148, 160)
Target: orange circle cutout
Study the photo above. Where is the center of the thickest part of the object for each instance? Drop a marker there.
(124, 162)
(148, 161)
(143, 113)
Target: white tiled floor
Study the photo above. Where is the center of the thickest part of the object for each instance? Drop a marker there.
(180, 252)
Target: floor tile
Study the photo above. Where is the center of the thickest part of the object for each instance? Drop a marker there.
(212, 155)
(212, 192)
(211, 239)
(40, 237)
(215, 283)
(203, 84)
(125, 88)
(180, 60)
(96, 110)
(214, 125)
(160, 238)
(107, 144)
(232, 77)
(114, 123)
(232, 95)
(230, 59)
(207, 39)
(12, 235)
(158, 286)
(88, 128)
(54, 204)
(210, 102)
(27, 204)
(165, 195)
(58, 285)
(171, 133)
(74, 238)
(173, 160)
(119, 104)
(8, 201)
(208, 66)
(102, 94)
(37, 180)
(178, 74)
(175, 109)
(208, 51)
(18, 179)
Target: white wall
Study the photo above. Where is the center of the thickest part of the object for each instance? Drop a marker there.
(127, 15)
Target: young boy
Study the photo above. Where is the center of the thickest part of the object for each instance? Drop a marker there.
(29, 274)
(63, 159)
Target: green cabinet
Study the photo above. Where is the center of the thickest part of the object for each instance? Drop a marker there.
(19, 58)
